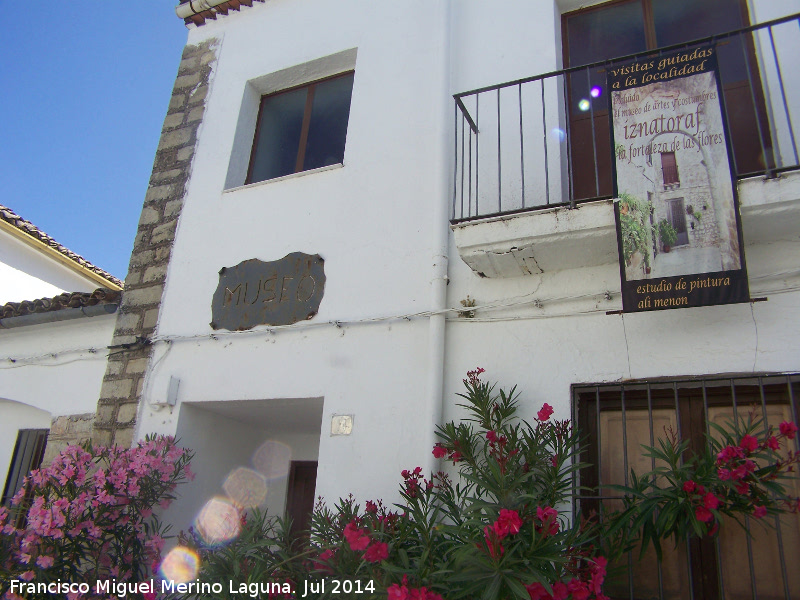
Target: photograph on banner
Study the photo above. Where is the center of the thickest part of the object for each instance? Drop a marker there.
(678, 230)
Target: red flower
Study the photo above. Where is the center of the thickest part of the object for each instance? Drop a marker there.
(549, 518)
(748, 443)
(788, 428)
(578, 589)
(493, 542)
(688, 486)
(507, 523)
(357, 538)
(545, 412)
(723, 474)
(742, 487)
(560, 591)
(491, 436)
(773, 443)
(537, 591)
(710, 501)
(398, 592)
(424, 594)
(377, 552)
(703, 514)
(729, 453)
(759, 512)
(439, 451)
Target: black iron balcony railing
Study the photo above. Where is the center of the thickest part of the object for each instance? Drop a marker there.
(544, 141)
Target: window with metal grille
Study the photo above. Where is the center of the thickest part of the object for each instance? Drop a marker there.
(301, 128)
(619, 419)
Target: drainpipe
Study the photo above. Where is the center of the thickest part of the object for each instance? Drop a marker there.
(441, 218)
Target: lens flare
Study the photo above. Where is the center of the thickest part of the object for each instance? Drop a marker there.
(596, 91)
(558, 134)
(219, 521)
(180, 565)
(246, 487)
(272, 459)
(584, 105)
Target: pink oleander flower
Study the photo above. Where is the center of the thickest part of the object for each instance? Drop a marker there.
(689, 486)
(545, 412)
(377, 552)
(578, 589)
(397, 591)
(748, 443)
(560, 591)
(729, 453)
(773, 443)
(549, 518)
(788, 428)
(45, 561)
(537, 591)
(759, 512)
(710, 501)
(507, 523)
(356, 538)
(439, 451)
(703, 514)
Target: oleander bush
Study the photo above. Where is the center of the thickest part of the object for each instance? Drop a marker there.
(89, 516)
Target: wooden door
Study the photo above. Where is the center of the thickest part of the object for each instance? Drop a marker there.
(300, 494)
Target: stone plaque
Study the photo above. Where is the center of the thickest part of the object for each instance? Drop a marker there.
(280, 292)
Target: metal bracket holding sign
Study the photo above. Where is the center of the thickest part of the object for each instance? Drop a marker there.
(279, 292)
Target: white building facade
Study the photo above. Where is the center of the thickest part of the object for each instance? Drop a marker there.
(451, 235)
(56, 322)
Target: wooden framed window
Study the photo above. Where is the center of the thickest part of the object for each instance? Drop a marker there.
(622, 27)
(621, 418)
(301, 128)
(669, 168)
(28, 454)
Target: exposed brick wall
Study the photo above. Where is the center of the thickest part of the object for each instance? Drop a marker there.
(138, 315)
(66, 431)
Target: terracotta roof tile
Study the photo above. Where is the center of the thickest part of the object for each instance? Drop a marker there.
(199, 17)
(62, 301)
(12, 218)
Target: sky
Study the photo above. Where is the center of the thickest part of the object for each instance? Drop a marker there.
(85, 91)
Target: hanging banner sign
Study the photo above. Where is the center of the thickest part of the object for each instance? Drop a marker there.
(678, 227)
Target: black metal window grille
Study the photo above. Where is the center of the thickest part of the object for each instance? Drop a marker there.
(618, 418)
(513, 141)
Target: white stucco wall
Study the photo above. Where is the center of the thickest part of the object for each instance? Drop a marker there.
(57, 367)
(26, 274)
(374, 223)
(47, 371)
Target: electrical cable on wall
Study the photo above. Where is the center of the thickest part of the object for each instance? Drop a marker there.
(12, 362)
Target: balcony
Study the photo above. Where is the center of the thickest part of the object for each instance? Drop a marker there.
(532, 170)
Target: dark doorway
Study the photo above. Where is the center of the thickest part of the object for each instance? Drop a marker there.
(677, 218)
(300, 494)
